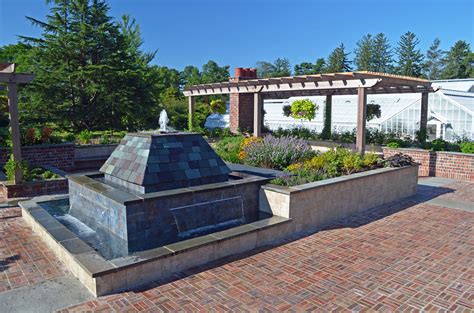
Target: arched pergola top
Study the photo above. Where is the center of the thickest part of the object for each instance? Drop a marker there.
(318, 84)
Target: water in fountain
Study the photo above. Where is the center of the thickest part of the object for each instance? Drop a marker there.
(163, 121)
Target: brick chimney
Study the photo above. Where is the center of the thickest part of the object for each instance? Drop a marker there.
(241, 104)
(244, 73)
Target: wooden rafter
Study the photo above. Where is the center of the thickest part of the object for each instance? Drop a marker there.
(338, 83)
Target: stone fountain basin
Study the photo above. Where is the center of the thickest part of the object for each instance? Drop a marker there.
(102, 276)
(128, 222)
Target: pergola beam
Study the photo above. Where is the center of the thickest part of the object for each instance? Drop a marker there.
(279, 85)
(15, 78)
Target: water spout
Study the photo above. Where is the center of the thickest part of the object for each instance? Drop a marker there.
(163, 121)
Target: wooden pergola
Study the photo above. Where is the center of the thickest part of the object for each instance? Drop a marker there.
(11, 79)
(334, 84)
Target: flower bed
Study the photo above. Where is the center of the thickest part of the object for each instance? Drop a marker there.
(313, 205)
(337, 162)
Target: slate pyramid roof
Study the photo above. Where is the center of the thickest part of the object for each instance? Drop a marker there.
(148, 162)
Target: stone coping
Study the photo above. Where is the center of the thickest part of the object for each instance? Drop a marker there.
(330, 181)
(32, 182)
(63, 144)
(95, 265)
(122, 196)
(158, 134)
(430, 151)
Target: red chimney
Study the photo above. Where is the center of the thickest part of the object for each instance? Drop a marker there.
(244, 73)
(239, 72)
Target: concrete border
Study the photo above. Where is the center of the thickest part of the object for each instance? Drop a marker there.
(315, 204)
(102, 277)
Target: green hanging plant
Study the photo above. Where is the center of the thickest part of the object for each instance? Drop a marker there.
(373, 111)
(303, 109)
(218, 106)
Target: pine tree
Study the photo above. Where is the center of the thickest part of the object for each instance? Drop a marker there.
(213, 73)
(459, 61)
(338, 60)
(410, 58)
(90, 73)
(304, 68)
(282, 67)
(319, 66)
(364, 59)
(382, 54)
(434, 56)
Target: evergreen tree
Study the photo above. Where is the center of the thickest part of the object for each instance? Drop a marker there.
(434, 56)
(265, 69)
(282, 67)
(459, 61)
(364, 59)
(381, 54)
(190, 76)
(90, 72)
(319, 66)
(410, 58)
(213, 73)
(304, 68)
(338, 60)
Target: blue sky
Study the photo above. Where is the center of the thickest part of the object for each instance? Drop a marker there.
(241, 32)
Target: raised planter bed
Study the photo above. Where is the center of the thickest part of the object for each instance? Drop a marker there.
(58, 155)
(8, 189)
(33, 188)
(312, 205)
(453, 165)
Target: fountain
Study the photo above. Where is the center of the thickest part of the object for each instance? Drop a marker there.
(163, 121)
(160, 188)
(162, 202)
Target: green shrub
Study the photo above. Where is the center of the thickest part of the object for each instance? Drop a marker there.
(438, 145)
(352, 163)
(467, 147)
(12, 165)
(394, 144)
(229, 148)
(84, 136)
(70, 137)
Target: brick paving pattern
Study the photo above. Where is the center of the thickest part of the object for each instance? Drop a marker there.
(24, 259)
(405, 256)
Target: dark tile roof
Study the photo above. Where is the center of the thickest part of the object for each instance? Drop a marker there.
(164, 161)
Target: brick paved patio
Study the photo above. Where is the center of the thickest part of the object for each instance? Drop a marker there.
(410, 255)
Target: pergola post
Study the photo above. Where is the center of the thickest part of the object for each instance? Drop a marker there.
(257, 114)
(327, 118)
(191, 107)
(15, 129)
(424, 116)
(361, 119)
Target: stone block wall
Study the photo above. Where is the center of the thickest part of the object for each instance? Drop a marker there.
(60, 156)
(314, 205)
(453, 165)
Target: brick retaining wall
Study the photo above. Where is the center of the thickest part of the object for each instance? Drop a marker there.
(60, 155)
(33, 189)
(454, 165)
